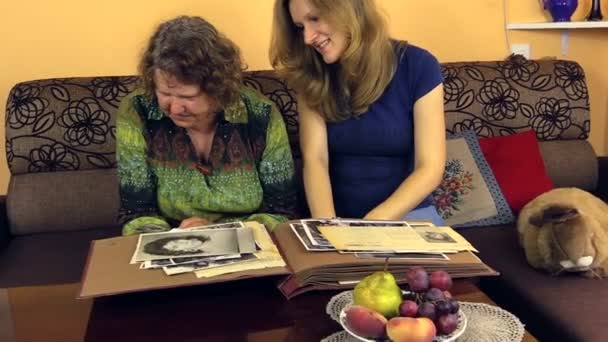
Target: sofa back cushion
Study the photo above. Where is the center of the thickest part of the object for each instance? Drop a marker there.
(62, 201)
(60, 142)
(64, 124)
(58, 131)
(570, 163)
(516, 95)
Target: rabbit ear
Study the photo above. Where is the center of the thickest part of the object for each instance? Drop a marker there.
(559, 213)
(536, 219)
(553, 213)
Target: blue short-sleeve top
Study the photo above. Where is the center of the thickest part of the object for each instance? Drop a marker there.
(372, 154)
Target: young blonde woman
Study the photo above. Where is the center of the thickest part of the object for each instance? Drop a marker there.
(372, 128)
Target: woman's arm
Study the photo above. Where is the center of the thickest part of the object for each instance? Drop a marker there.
(429, 141)
(313, 143)
(138, 211)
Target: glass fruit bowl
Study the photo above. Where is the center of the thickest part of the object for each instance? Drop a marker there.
(462, 324)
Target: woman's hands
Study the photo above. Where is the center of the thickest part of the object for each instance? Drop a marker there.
(194, 221)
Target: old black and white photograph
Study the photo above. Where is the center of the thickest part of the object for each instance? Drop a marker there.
(186, 244)
(208, 263)
(311, 227)
(368, 223)
(151, 264)
(436, 237)
(300, 232)
(398, 255)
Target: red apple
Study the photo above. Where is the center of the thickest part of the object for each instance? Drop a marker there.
(407, 329)
(365, 322)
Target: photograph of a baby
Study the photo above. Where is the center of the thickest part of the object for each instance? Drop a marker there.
(187, 244)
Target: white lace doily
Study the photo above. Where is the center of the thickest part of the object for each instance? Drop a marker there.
(485, 322)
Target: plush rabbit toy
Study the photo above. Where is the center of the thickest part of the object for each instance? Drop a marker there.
(566, 229)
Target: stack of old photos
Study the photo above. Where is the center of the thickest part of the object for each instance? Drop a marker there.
(380, 239)
(208, 250)
(337, 253)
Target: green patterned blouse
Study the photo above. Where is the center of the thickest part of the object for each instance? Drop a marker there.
(249, 176)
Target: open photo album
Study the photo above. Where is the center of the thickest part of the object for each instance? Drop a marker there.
(307, 255)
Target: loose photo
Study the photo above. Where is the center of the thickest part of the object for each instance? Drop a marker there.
(299, 230)
(186, 244)
(210, 263)
(311, 228)
(151, 264)
(402, 256)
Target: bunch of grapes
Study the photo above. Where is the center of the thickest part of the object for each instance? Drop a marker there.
(430, 297)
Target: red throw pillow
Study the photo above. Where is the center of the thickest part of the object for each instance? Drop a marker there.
(518, 167)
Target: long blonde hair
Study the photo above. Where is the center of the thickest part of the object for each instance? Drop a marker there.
(348, 88)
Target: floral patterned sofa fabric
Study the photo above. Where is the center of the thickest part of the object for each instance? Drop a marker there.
(501, 98)
(284, 97)
(64, 124)
(60, 133)
(69, 124)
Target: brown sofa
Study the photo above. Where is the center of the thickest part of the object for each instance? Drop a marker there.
(63, 190)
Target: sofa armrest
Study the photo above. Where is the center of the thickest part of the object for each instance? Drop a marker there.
(602, 182)
(5, 234)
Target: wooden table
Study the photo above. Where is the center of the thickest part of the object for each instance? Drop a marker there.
(249, 310)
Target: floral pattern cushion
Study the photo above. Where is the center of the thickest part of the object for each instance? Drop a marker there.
(469, 195)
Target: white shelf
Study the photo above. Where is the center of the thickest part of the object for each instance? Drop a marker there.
(558, 25)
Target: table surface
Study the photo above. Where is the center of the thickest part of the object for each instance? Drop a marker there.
(248, 310)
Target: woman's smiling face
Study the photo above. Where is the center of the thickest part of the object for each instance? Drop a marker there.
(329, 42)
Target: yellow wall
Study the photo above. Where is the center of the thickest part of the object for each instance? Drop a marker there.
(63, 38)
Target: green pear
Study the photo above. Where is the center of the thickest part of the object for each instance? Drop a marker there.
(379, 292)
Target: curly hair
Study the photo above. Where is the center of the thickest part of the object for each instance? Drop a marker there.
(193, 51)
(365, 69)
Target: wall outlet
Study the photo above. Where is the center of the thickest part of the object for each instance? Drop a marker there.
(521, 49)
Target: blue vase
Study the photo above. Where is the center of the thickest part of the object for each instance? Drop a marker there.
(561, 10)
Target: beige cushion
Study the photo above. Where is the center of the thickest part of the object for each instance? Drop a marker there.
(570, 163)
(62, 201)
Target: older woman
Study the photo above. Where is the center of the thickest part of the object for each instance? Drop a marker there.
(195, 146)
